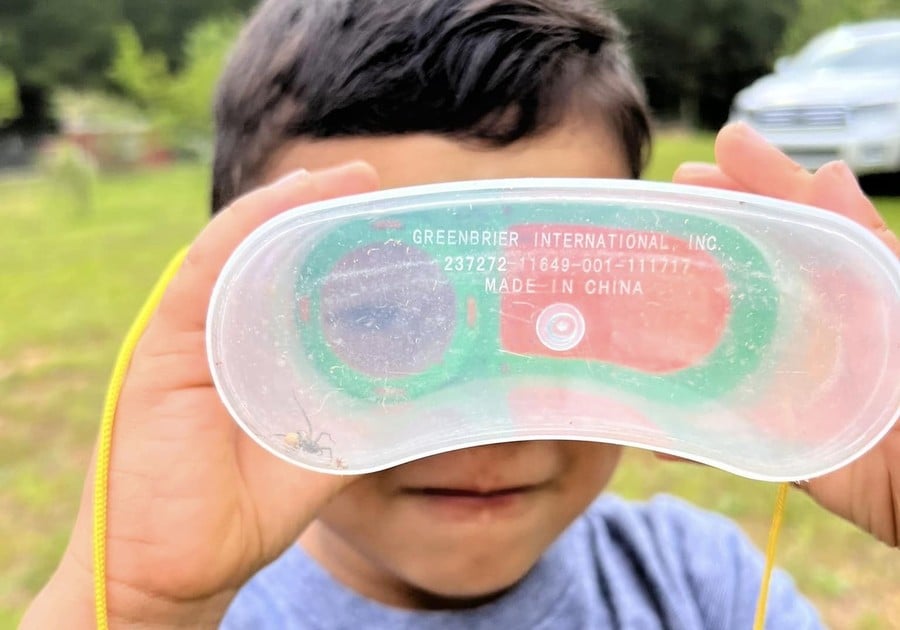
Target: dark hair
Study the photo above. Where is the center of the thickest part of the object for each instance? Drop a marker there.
(492, 71)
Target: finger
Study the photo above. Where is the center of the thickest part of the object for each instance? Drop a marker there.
(760, 168)
(706, 175)
(836, 188)
(184, 305)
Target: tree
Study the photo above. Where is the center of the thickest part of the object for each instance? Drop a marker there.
(694, 55)
(816, 16)
(54, 41)
(50, 43)
(162, 25)
(179, 102)
(9, 101)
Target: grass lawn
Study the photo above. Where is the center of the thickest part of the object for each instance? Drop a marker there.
(71, 282)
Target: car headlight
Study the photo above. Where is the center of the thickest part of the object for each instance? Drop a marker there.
(880, 113)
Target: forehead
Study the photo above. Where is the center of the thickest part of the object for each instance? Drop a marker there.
(569, 150)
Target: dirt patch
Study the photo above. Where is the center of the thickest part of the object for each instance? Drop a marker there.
(27, 360)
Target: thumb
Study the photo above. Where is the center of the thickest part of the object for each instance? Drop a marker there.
(183, 308)
(175, 337)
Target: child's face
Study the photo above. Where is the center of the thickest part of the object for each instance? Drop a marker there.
(465, 524)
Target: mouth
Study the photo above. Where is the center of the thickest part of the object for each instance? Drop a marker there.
(462, 503)
(470, 493)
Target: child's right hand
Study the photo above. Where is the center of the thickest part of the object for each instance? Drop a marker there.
(195, 506)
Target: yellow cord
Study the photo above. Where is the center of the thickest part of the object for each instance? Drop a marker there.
(101, 477)
(777, 517)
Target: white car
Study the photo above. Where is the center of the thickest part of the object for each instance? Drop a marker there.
(837, 99)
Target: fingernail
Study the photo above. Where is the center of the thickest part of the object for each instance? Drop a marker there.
(341, 171)
(326, 176)
(841, 171)
(749, 131)
(293, 176)
(696, 168)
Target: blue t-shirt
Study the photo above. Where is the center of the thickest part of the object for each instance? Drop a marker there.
(660, 564)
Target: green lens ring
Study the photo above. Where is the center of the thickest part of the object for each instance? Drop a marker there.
(473, 350)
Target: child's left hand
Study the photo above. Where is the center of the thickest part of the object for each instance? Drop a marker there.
(867, 492)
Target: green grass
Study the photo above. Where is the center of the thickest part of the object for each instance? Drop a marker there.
(71, 282)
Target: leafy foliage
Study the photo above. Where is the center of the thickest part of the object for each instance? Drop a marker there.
(178, 102)
(57, 41)
(9, 98)
(816, 16)
(163, 25)
(694, 55)
(46, 44)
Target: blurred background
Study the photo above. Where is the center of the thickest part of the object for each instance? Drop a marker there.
(105, 142)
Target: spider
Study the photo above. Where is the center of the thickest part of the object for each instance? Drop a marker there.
(304, 441)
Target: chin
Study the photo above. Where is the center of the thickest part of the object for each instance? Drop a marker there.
(465, 586)
(456, 598)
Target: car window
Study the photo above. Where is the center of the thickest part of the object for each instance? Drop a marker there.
(874, 53)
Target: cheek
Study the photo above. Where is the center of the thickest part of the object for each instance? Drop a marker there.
(355, 505)
(591, 466)
(367, 520)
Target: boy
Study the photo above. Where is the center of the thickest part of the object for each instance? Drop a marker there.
(202, 521)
